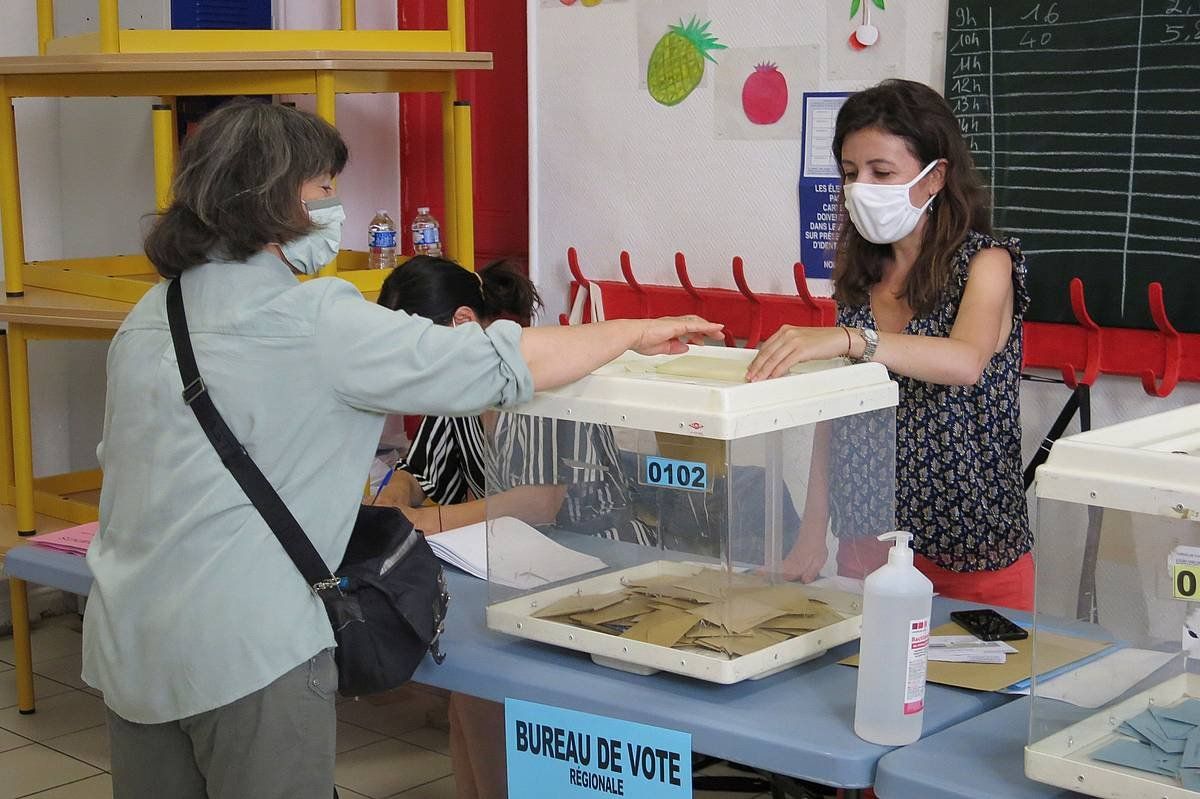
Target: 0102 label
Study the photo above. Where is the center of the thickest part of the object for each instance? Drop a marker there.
(669, 473)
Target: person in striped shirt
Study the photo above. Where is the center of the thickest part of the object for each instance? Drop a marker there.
(557, 472)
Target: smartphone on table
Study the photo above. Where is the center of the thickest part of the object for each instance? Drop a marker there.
(988, 625)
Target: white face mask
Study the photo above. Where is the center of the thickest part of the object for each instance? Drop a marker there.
(882, 213)
(309, 253)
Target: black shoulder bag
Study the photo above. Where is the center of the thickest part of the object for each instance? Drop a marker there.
(387, 600)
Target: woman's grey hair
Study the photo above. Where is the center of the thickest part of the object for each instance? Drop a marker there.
(237, 185)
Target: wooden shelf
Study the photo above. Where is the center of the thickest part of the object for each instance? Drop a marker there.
(284, 61)
(46, 307)
(67, 309)
(8, 528)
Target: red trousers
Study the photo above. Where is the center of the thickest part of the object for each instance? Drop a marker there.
(1010, 587)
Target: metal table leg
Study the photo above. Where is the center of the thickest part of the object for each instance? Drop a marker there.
(23, 652)
(22, 436)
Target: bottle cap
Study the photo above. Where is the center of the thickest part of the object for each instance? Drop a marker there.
(422, 210)
(381, 212)
(901, 551)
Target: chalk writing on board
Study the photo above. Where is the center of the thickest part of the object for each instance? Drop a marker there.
(1081, 118)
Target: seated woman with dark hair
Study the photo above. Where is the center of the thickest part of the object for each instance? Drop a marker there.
(579, 483)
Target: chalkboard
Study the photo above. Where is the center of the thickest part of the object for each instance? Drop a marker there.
(1083, 117)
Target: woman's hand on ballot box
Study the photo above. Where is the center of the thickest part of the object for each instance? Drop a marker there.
(670, 335)
(792, 345)
(560, 355)
(807, 558)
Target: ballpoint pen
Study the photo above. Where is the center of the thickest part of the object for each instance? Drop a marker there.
(383, 483)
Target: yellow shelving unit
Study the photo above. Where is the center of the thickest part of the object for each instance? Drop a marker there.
(84, 298)
(323, 73)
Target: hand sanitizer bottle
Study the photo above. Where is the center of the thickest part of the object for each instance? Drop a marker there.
(897, 600)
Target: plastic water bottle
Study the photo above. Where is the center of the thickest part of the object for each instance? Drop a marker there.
(426, 235)
(897, 599)
(381, 241)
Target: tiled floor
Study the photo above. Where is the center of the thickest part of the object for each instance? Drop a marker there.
(392, 747)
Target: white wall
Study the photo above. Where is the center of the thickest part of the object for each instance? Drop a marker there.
(614, 170)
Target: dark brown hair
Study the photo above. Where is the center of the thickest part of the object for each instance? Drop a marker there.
(436, 287)
(237, 185)
(920, 116)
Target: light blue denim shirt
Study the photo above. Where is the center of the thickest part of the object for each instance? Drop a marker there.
(195, 604)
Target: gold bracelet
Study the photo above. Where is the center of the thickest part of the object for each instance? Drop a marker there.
(441, 527)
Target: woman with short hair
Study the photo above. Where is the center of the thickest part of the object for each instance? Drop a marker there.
(213, 653)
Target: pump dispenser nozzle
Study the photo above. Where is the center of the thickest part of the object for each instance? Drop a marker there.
(901, 553)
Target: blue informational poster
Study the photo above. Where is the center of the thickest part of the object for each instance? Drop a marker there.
(820, 182)
(565, 754)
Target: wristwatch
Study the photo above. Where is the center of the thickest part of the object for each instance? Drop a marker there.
(870, 343)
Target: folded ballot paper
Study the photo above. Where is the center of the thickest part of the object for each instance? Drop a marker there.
(522, 557)
(968, 649)
(72, 540)
(1163, 741)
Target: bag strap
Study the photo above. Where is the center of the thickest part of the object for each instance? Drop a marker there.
(237, 460)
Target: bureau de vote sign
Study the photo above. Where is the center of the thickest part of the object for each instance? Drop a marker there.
(563, 753)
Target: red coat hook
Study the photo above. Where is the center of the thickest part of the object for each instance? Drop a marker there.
(817, 313)
(627, 273)
(685, 281)
(756, 324)
(581, 285)
(573, 265)
(1172, 348)
(1091, 365)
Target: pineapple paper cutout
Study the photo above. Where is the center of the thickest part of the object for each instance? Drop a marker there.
(677, 63)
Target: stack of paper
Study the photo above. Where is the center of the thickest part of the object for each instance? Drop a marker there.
(1055, 653)
(713, 610)
(73, 540)
(521, 556)
(968, 649)
(1162, 741)
(465, 548)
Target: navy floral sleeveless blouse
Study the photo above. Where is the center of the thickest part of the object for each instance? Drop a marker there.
(958, 472)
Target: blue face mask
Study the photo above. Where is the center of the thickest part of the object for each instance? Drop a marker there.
(312, 251)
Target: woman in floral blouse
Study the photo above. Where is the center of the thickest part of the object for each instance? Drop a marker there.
(926, 288)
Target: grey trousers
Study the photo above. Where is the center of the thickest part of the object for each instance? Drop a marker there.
(276, 743)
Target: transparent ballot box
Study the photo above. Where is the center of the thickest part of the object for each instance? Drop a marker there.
(652, 514)
(1115, 708)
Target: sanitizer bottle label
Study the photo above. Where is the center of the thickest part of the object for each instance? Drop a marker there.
(918, 657)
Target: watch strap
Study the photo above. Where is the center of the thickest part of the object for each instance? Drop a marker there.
(870, 344)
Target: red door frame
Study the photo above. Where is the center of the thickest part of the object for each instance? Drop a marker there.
(500, 140)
